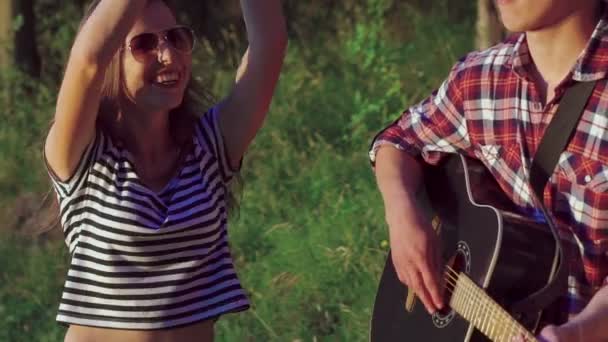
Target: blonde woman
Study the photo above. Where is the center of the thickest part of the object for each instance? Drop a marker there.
(142, 174)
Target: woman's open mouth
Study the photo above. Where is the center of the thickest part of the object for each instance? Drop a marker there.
(167, 80)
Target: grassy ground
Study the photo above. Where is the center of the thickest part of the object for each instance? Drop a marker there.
(309, 241)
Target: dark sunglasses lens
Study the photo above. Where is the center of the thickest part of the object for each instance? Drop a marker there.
(181, 38)
(143, 44)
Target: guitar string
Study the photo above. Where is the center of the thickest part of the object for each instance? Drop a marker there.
(470, 289)
(482, 306)
(469, 293)
(515, 326)
(466, 291)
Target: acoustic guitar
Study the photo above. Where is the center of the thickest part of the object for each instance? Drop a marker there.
(494, 257)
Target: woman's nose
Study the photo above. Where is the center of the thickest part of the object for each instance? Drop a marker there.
(165, 53)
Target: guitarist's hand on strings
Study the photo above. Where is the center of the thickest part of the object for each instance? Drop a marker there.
(414, 245)
(415, 255)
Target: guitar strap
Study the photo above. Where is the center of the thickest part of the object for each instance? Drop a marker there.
(556, 138)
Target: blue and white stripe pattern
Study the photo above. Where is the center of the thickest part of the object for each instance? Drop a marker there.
(146, 260)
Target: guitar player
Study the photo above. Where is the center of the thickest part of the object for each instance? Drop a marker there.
(495, 106)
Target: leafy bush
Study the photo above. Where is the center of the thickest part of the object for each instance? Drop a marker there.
(31, 278)
(25, 116)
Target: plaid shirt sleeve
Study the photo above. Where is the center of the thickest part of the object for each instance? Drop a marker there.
(433, 127)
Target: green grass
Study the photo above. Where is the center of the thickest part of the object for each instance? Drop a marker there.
(31, 278)
(309, 241)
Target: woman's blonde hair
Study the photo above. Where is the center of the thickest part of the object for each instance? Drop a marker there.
(182, 120)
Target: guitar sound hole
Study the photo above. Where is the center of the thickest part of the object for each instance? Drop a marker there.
(459, 263)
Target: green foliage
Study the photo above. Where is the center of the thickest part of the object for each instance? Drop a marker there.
(31, 278)
(26, 112)
(17, 23)
(55, 34)
(310, 240)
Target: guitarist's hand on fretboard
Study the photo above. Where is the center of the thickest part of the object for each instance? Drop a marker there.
(551, 333)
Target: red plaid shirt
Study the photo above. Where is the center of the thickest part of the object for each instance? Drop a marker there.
(490, 109)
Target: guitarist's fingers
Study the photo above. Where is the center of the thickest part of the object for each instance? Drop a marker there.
(430, 276)
(406, 280)
(440, 273)
(518, 338)
(418, 286)
(403, 276)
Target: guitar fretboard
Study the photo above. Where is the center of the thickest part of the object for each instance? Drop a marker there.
(474, 305)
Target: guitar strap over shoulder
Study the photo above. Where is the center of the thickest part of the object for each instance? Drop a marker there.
(554, 142)
(558, 134)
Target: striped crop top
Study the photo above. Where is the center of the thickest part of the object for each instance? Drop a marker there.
(144, 260)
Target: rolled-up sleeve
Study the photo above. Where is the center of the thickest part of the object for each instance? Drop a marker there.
(431, 128)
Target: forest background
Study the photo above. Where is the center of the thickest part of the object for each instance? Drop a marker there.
(310, 239)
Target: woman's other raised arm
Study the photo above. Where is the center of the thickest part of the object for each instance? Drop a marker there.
(79, 97)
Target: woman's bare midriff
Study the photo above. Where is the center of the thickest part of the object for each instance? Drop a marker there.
(199, 332)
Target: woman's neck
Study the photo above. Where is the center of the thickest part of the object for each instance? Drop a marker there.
(147, 136)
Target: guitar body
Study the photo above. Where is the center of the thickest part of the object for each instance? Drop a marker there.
(505, 254)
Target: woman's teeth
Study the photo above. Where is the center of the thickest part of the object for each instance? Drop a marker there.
(169, 78)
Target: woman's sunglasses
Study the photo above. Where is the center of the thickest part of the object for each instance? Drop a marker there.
(145, 45)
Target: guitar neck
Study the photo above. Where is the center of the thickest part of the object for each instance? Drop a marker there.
(474, 305)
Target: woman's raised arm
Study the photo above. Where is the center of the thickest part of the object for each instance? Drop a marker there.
(243, 111)
(99, 39)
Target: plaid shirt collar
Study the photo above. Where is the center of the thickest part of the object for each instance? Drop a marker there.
(591, 65)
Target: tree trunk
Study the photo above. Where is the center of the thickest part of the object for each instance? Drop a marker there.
(26, 52)
(6, 15)
(489, 28)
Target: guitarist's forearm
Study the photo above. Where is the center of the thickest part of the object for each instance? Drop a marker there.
(399, 177)
(592, 323)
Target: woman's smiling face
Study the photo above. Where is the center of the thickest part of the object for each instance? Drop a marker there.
(156, 81)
